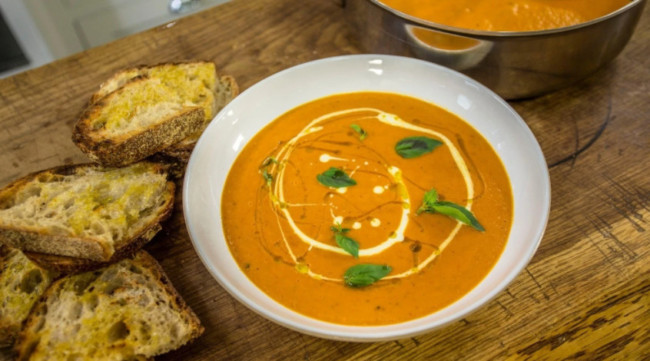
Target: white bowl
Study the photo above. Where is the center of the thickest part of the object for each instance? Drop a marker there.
(240, 120)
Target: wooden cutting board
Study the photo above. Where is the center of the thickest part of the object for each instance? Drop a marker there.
(586, 293)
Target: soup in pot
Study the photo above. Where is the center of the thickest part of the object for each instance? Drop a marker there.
(507, 15)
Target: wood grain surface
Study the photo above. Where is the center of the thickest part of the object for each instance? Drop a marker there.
(584, 296)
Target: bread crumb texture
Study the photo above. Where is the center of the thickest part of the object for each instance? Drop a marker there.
(103, 204)
(126, 311)
(194, 81)
(226, 90)
(137, 100)
(22, 283)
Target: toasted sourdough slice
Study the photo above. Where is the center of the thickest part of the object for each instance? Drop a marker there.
(70, 265)
(137, 120)
(86, 211)
(126, 311)
(22, 283)
(176, 165)
(207, 90)
(226, 90)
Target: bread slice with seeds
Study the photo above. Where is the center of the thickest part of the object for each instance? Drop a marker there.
(137, 120)
(195, 84)
(86, 211)
(22, 283)
(126, 311)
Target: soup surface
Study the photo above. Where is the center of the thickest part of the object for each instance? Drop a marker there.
(331, 211)
(507, 15)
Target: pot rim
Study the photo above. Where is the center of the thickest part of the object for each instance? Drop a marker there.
(506, 34)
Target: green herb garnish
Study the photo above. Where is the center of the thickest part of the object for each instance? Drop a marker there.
(268, 160)
(363, 275)
(337, 228)
(412, 147)
(348, 244)
(431, 204)
(335, 178)
(362, 133)
(267, 177)
(263, 169)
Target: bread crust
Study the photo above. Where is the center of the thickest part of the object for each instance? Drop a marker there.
(119, 79)
(72, 265)
(129, 149)
(176, 165)
(192, 318)
(39, 241)
(89, 249)
(27, 339)
(183, 149)
(122, 77)
(226, 89)
(181, 153)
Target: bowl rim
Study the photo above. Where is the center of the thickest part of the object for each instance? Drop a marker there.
(504, 34)
(352, 332)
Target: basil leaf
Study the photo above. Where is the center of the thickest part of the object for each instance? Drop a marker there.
(335, 178)
(363, 275)
(267, 177)
(268, 160)
(348, 244)
(458, 212)
(430, 204)
(430, 198)
(338, 229)
(412, 147)
(361, 131)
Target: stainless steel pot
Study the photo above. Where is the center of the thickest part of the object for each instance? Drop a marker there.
(513, 64)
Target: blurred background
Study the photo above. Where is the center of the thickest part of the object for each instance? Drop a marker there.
(36, 32)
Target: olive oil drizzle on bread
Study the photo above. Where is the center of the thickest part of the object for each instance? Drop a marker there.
(134, 106)
(128, 310)
(22, 283)
(85, 211)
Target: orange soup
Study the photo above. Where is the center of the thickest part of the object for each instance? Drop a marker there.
(507, 15)
(367, 208)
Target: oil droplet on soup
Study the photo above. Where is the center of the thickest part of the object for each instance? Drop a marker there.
(329, 202)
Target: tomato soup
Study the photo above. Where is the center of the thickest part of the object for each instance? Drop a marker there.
(367, 208)
(507, 15)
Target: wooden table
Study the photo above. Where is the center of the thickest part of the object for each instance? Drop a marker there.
(586, 293)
